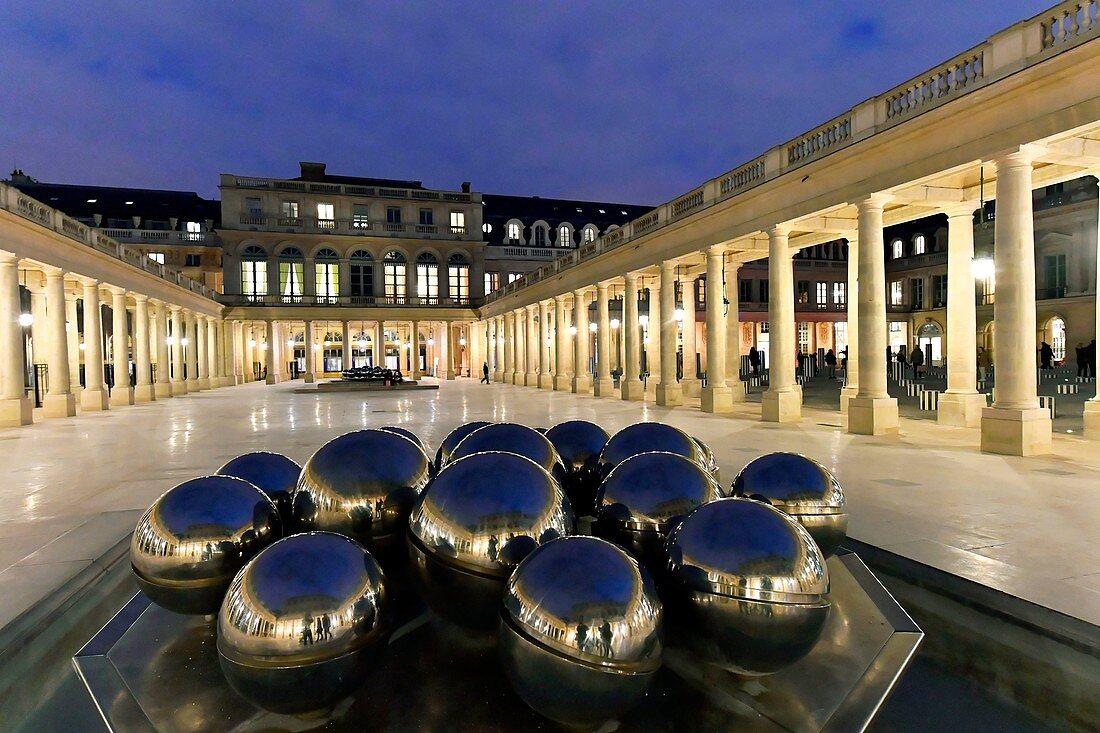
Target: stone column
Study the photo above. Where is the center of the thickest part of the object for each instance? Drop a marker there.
(1015, 424)
(961, 404)
(497, 342)
(448, 343)
(521, 347)
(851, 388)
(872, 411)
(716, 396)
(631, 387)
(15, 405)
(562, 355)
(345, 350)
(191, 354)
(581, 346)
(546, 380)
(179, 386)
(212, 351)
(122, 393)
(72, 336)
(669, 391)
(94, 396)
(268, 349)
(604, 386)
(143, 391)
(733, 333)
(40, 332)
(59, 400)
(509, 376)
(311, 357)
(690, 383)
(1092, 407)
(782, 402)
(414, 345)
(200, 351)
(531, 378)
(163, 387)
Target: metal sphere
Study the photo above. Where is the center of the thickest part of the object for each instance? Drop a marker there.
(645, 496)
(362, 484)
(748, 586)
(398, 430)
(273, 473)
(578, 443)
(476, 521)
(646, 437)
(580, 631)
(303, 623)
(190, 543)
(708, 460)
(443, 454)
(802, 488)
(513, 438)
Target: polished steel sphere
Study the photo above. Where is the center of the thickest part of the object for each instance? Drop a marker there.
(397, 429)
(362, 484)
(303, 622)
(580, 631)
(443, 454)
(578, 443)
(476, 521)
(645, 496)
(748, 586)
(190, 543)
(708, 461)
(513, 438)
(802, 488)
(273, 473)
(646, 437)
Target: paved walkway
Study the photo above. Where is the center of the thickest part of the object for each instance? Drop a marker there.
(74, 487)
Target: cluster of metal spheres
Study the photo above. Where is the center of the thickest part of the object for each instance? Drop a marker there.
(299, 562)
(372, 374)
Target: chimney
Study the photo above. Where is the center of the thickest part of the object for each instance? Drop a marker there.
(312, 171)
(465, 187)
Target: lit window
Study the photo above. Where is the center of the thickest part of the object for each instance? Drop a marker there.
(458, 222)
(822, 295)
(513, 231)
(896, 249)
(589, 234)
(492, 281)
(291, 274)
(327, 274)
(458, 278)
(838, 293)
(325, 211)
(394, 275)
(895, 292)
(487, 228)
(918, 244)
(513, 276)
(427, 279)
(290, 211)
(157, 257)
(254, 273)
(565, 237)
(194, 231)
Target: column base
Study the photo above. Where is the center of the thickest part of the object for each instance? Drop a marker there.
(691, 387)
(846, 395)
(192, 385)
(178, 388)
(961, 409)
(1016, 432)
(563, 383)
(603, 387)
(1092, 419)
(581, 385)
(15, 412)
(531, 379)
(451, 374)
(122, 396)
(162, 390)
(717, 399)
(415, 376)
(59, 405)
(781, 406)
(269, 379)
(498, 376)
(546, 381)
(632, 390)
(204, 383)
(309, 378)
(145, 393)
(873, 415)
(670, 395)
(737, 390)
(94, 400)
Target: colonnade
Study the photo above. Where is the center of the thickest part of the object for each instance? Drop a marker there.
(68, 337)
(555, 346)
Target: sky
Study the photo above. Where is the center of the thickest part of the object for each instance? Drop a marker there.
(631, 102)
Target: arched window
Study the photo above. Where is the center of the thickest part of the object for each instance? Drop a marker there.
(291, 274)
(541, 236)
(327, 271)
(427, 277)
(589, 234)
(513, 233)
(458, 278)
(394, 275)
(565, 235)
(897, 249)
(919, 246)
(362, 274)
(253, 273)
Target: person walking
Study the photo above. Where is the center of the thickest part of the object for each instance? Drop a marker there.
(1081, 356)
(900, 356)
(484, 373)
(1046, 354)
(917, 360)
(830, 362)
(985, 361)
(754, 361)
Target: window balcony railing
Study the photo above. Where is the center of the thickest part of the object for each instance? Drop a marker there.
(1051, 293)
(985, 299)
(290, 221)
(350, 301)
(355, 226)
(458, 230)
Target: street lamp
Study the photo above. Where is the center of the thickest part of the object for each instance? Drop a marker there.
(982, 267)
(678, 314)
(572, 330)
(25, 320)
(614, 322)
(592, 327)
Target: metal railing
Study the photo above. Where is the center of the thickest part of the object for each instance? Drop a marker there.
(349, 301)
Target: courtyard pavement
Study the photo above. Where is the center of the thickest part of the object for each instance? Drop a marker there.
(75, 487)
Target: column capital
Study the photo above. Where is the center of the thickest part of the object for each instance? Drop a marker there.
(631, 278)
(874, 201)
(719, 249)
(115, 290)
(780, 230)
(174, 308)
(560, 299)
(51, 271)
(1024, 155)
(965, 208)
(603, 286)
(140, 297)
(8, 258)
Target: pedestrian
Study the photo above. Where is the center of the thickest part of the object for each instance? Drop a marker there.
(1046, 354)
(844, 360)
(985, 361)
(754, 361)
(485, 373)
(830, 361)
(917, 360)
(1081, 354)
(901, 357)
(800, 361)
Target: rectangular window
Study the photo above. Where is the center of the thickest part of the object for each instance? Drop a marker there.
(326, 216)
(763, 294)
(360, 216)
(254, 278)
(492, 281)
(744, 290)
(194, 231)
(822, 295)
(513, 233)
(804, 337)
(394, 276)
(939, 291)
(840, 294)
(1054, 267)
(193, 261)
(458, 282)
(540, 236)
(895, 293)
(328, 282)
(253, 206)
(701, 291)
(393, 214)
(427, 282)
(513, 276)
(290, 281)
(289, 214)
(157, 257)
(917, 291)
(803, 296)
(362, 279)
(458, 222)
(427, 218)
